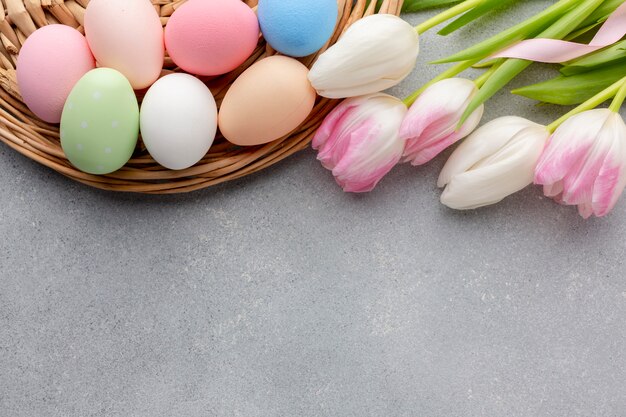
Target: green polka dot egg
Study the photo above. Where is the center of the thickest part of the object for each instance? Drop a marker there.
(100, 122)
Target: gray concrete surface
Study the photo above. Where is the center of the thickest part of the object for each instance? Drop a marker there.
(278, 295)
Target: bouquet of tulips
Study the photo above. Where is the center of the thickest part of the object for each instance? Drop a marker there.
(580, 159)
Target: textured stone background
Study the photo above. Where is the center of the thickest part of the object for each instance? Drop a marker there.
(278, 295)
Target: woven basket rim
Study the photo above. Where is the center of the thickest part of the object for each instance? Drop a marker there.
(39, 141)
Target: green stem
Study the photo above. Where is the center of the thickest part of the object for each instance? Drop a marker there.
(524, 30)
(581, 32)
(447, 15)
(486, 64)
(594, 102)
(619, 97)
(603, 12)
(512, 67)
(449, 73)
(480, 81)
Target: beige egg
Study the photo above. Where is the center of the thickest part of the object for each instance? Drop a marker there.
(268, 101)
(126, 35)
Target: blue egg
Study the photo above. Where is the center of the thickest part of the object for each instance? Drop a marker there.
(297, 27)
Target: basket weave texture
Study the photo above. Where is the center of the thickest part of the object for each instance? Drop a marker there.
(28, 135)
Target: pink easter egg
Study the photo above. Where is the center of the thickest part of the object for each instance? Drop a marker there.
(50, 63)
(211, 37)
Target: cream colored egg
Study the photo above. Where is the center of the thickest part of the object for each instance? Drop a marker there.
(268, 101)
(126, 35)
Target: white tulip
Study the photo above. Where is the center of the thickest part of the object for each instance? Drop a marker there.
(376, 53)
(496, 161)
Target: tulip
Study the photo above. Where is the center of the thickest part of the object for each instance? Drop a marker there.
(375, 53)
(431, 125)
(359, 141)
(494, 162)
(584, 163)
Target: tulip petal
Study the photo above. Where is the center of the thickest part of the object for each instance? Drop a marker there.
(585, 210)
(505, 172)
(359, 140)
(335, 150)
(375, 53)
(431, 123)
(485, 141)
(439, 106)
(569, 145)
(553, 190)
(445, 139)
(579, 182)
(611, 180)
(361, 168)
(332, 122)
(586, 160)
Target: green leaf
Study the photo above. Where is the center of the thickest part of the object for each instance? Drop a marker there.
(512, 67)
(579, 34)
(485, 64)
(601, 13)
(411, 6)
(574, 89)
(529, 28)
(476, 13)
(607, 56)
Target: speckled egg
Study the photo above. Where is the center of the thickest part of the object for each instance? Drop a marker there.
(211, 37)
(297, 27)
(126, 35)
(268, 101)
(100, 122)
(50, 63)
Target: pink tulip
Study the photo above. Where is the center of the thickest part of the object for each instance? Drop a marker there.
(359, 140)
(431, 124)
(584, 163)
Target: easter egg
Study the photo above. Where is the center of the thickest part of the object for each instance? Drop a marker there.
(268, 101)
(211, 37)
(178, 121)
(100, 122)
(126, 35)
(50, 63)
(297, 27)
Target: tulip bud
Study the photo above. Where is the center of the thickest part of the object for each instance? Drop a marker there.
(375, 53)
(584, 163)
(431, 125)
(359, 141)
(494, 162)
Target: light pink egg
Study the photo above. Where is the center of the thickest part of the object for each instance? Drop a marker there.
(50, 63)
(126, 35)
(211, 37)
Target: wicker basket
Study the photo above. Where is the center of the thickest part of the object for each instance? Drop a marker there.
(31, 137)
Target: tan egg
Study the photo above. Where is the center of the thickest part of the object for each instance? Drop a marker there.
(268, 101)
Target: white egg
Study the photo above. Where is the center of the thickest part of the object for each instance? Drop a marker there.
(178, 121)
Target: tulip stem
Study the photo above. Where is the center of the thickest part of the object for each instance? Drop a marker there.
(523, 30)
(449, 73)
(619, 97)
(447, 15)
(486, 64)
(617, 90)
(480, 81)
(513, 67)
